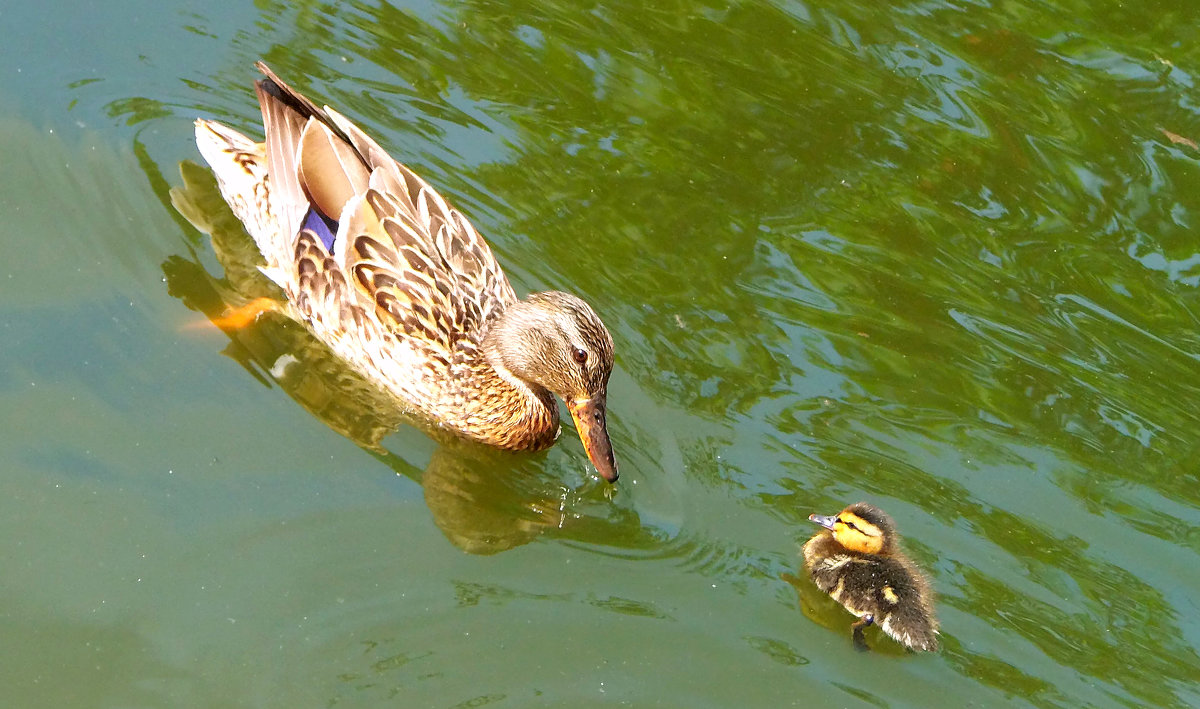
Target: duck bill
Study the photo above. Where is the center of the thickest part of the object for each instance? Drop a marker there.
(593, 431)
(824, 521)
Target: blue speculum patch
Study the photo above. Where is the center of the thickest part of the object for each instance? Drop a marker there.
(322, 226)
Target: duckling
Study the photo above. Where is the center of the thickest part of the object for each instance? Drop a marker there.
(857, 560)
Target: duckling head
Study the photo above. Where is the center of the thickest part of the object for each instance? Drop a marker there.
(862, 528)
(555, 342)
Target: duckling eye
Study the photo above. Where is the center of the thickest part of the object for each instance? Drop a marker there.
(580, 356)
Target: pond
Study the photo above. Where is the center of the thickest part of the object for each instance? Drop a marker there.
(933, 255)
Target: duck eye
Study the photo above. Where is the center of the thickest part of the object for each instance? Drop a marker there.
(580, 356)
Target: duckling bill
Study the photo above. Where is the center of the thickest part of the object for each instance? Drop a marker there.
(857, 560)
(400, 285)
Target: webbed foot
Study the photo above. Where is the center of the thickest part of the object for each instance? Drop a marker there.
(860, 642)
(237, 318)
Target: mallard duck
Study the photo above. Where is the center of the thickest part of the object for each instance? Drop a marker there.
(857, 560)
(402, 287)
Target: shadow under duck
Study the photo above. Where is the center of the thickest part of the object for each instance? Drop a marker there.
(402, 287)
(857, 560)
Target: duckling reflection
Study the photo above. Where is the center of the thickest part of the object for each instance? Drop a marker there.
(477, 510)
(857, 560)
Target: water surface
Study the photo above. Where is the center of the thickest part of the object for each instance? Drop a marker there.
(936, 255)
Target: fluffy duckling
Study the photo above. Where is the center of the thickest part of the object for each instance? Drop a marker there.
(857, 560)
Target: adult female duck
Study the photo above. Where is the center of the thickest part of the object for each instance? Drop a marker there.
(401, 286)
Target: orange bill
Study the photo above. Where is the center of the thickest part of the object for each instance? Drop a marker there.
(593, 431)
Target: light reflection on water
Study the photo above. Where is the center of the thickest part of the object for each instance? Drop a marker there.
(935, 256)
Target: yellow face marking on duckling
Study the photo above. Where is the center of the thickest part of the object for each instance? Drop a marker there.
(857, 534)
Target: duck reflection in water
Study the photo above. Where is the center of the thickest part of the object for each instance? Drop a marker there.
(479, 507)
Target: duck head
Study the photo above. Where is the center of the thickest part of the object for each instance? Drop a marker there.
(861, 527)
(554, 341)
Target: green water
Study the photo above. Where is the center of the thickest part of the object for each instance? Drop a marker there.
(935, 255)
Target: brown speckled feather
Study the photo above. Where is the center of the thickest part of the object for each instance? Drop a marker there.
(405, 267)
(439, 281)
(405, 289)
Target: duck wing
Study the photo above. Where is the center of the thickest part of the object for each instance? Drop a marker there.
(371, 237)
(907, 604)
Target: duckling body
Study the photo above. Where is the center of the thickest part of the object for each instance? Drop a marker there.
(857, 560)
(400, 285)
